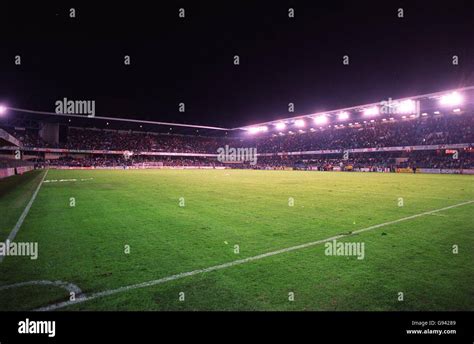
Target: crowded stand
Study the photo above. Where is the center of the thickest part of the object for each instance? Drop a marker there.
(139, 141)
(368, 143)
(422, 131)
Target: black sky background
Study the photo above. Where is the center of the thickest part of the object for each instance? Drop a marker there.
(190, 60)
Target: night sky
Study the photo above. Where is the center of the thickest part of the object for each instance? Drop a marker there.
(190, 60)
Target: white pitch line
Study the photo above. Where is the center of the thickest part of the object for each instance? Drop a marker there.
(401, 194)
(15, 229)
(66, 180)
(97, 295)
(70, 287)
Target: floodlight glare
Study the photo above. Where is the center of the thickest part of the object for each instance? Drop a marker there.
(280, 126)
(406, 106)
(343, 116)
(320, 120)
(3, 109)
(255, 130)
(299, 123)
(451, 99)
(372, 111)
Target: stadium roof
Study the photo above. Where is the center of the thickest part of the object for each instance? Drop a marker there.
(437, 101)
(449, 100)
(8, 140)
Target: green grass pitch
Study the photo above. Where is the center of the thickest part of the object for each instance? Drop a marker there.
(260, 211)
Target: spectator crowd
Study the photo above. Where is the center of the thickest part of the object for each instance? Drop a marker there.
(420, 131)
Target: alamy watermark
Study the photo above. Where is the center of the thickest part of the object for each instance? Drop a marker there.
(28, 326)
(75, 107)
(10, 248)
(393, 107)
(228, 154)
(335, 248)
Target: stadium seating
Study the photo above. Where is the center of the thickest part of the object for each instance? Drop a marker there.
(437, 130)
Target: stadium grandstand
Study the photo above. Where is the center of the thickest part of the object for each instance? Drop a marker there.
(430, 133)
(12, 164)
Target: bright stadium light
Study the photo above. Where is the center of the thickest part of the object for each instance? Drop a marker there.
(3, 109)
(372, 111)
(406, 106)
(451, 99)
(343, 116)
(320, 120)
(280, 126)
(299, 123)
(255, 130)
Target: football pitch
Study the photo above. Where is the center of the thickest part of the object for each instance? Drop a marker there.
(239, 240)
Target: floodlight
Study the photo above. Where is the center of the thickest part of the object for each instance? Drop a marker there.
(299, 123)
(320, 120)
(451, 99)
(406, 106)
(372, 111)
(280, 126)
(255, 130)
(342, 116)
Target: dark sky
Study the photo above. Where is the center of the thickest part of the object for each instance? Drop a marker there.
(190, 60)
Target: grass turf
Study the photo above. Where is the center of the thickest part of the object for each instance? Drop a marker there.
(223, 208)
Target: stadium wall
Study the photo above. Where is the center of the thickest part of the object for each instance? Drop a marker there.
(445, 171)
(11, 171)
(7, 172)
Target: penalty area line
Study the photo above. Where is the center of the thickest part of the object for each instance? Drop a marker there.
(23, 215)
(104, 293)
